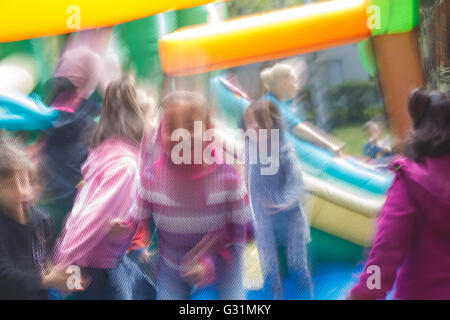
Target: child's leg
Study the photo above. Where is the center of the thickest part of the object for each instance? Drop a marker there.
(169, 283)
(229, 277)
(296, 253)
(123, 278)
(145, 286)
(268, 255)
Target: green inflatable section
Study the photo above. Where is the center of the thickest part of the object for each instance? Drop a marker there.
(325, 248)
(367, 57)
(140, 38)
(395, 16)
(192, 16)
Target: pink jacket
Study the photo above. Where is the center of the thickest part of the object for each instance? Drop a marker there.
(412, 244)
(111, 178)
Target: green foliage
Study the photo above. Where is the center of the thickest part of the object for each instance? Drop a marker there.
(237, 8)
(353, 136)
(309, 108)
(353, 101)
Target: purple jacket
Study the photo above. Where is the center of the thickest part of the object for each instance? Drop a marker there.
(412, 244)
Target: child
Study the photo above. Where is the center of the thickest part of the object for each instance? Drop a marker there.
(66, 143)
(140, 253)
(26, 233)
(200, 210)
(413, 236)
(282, 85)
(96, 234)
(374, 148)
(279, 218)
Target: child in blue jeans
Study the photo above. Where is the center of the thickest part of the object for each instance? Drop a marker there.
(280, 222)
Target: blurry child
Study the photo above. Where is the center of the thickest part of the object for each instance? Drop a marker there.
(413, 236)
(66, 143)
(280, 223)
(96, 234)
(375, 148)
(200, 210)
(141, 252)
(26, 233)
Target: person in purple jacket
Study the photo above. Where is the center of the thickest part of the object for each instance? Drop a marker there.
(412, 242)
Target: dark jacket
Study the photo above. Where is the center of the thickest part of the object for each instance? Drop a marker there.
(67, 148)
(23, 251)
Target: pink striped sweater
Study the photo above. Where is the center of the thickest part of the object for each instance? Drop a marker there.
(189, 205)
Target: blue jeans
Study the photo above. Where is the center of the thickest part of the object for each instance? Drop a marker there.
(118, 283)
(284, 231)
(144, 286)
(172, 286)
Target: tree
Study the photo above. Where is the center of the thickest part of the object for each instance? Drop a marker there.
(237, 8)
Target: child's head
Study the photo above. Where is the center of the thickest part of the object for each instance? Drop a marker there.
(82, 67)
(372, 130)
(280, 80)
(122, 114)
(263, 114)
(430, 113)
(17, 176)
(180, 110)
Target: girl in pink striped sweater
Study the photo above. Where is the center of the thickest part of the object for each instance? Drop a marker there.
(200, 210)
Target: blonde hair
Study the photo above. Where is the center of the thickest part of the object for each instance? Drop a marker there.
(122, 113)
(269, 76)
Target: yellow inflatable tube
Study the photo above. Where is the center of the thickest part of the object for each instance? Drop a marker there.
(353, 200)
(256, 38)
(340, 222)
(27, 19)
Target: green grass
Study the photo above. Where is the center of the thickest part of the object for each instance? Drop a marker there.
(353, 136)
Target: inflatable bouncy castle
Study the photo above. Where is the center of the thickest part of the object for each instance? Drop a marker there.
(164, 41)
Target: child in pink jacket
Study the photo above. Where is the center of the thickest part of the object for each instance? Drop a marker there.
(412, 242)
(96, 234)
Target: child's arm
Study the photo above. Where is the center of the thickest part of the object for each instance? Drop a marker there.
(16, 284)
(96, 206)
(293, 187)
(393, 238)
(225, 244)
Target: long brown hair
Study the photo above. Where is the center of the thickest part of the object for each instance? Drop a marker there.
(14, 158)
(430, 113)
(122, 114)
(266, 114)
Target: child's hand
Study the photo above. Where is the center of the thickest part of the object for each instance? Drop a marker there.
(196, 274)
(118, 229)
(80, 184)
(340, 154)
(147, 256)
(58, 279)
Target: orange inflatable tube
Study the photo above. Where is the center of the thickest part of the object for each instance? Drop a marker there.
(256, 38)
